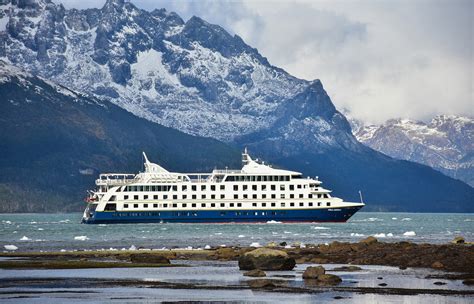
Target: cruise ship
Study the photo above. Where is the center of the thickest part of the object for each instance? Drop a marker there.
(256, 193)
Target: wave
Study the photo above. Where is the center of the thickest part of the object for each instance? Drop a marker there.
(409, 233)
(273, 222)
(320, 228)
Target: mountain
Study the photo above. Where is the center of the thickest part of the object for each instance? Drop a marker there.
(197, 78)
(446, 143)
(54, 142)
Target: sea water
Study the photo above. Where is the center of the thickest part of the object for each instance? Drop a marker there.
(50, 232)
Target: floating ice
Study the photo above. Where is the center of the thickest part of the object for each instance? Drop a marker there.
(218, 233)
(241, 236)
(207, 247)
(320, 228)
(25, 238)
(65, 221)
(132, 247)
(380, 235)
(356, 234)
(10, 247)
(273, 222)
(40, 229)
(33, 222)
(81, 238)
(7, 222)
(409, 233)
(15, 231)
(287, 232)
(63, 250)
(406, 219)
(374, 219)
(394, 218)
(389, 234)
(255, 244)
(102, 225)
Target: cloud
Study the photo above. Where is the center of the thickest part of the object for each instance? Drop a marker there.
(378, 59)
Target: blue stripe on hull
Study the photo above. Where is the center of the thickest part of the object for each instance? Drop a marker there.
(239, 216)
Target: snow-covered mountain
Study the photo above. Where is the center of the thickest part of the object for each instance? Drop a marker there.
(446, 143)
(192, 76)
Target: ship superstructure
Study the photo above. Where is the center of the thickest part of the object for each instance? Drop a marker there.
(256, 193)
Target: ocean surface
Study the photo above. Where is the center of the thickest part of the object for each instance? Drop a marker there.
(51, 232)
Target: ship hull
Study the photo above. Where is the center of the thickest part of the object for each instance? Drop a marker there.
(223, 216)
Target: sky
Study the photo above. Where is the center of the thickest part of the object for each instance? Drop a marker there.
(377, 59)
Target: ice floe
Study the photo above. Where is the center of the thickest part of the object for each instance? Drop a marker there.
(409, 233)
(10, 247)
(132, 248)
(320, 228)
(25, 238)
(81, 238)
(241, 236)
(356, 234)
(380, 235)
(406, 219)
(207, 247)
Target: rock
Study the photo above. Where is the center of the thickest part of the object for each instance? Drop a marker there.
(402, 267)
(283, 244)
(329, 279)
(225, 254)
(255, 273)
(370, 240)
(266, 259)
(313, 272)
(379, 278)
(383, 284)
(347, 268)
(149, 258)
(458, 240)
(437, 265)
(261, 283)
(439, 283)
(468, 282)
(272, 245)
(319, 260)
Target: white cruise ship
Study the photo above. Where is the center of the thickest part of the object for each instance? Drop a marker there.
(256, 193)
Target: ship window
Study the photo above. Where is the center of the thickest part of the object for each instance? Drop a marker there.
(254, 204)
(135, 197)
(165, 205)
(155, 205)
(273, 187)
(185, 188)
(264, 187)
(283, 204)
(239, 204)
(203, 196)
(319, 204)
(292, 187)
(292, 204)
(194, 196)
(282, 187)
(252, 178)
(185, 196)
(299, 186)
(245, 196)
(193, 205)
(254, 196)
(301, 195)
(236, 196)
(193, 188)
(292, 196)
(328, 204)
(125, 205)
(222, 196)
(126, 189)
(259, 178)
(213, 188)
(175, 205)
(229, 178)
(222, 205)
(184, 205)
(231, 204)
(222, 187)
(175, 197)
(273, 195)
(254, 187)
(273, 204)
(125, 197)
(301, 204)
(325, 196)
(135, 205)
(146, 188)
(175, 188)
(203, 187)
(155, 197)
(145, 205)
(264, 204)
(282, 196)
(264, 196)
(244, 187)
(236, 187)
(310, 196)
(213, 196)
(310, 204)
(110, 207)
(319, 195)
(213, 205)
(145, 197)
(265, 178)
(287, 178)
(202, 205)
(165, 196)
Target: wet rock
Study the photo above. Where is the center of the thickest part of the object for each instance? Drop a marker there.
(379, 278)
(383, 284)
(458, 240)
(225, 254)
(283, 244)
(403, 267)
(439, 283)
(437, 265)
(266, 259)
(347, 268)
(149, 258)
(255, 273)
(313, 272)
(261, 283)
(469, 282)
(369, 241)
(319, 260)
(329, 279)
